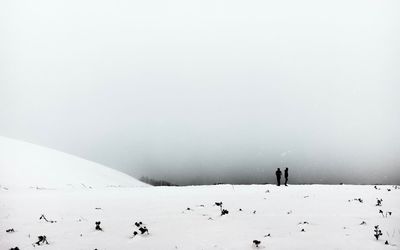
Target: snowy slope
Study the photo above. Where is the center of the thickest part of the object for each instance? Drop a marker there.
(186, 218)
(27, 165)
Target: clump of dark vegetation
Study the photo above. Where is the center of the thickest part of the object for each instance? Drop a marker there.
(143, 229)
(256, 242)
(359, 199)
(378, 202)
(303, 230)
(42, 217)
(42, 239)
(377, 232)
(224, 211)
(303, 223)
(154, 182)
(98, 228)
(11, 230)
(14, 248)
(363, 223)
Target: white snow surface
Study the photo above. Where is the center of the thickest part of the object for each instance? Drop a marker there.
(187, 218)
(24, 164)
(75, 193)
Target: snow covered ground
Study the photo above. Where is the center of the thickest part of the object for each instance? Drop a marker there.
(187, 218)
(73, 194)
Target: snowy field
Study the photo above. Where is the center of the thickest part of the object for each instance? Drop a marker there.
(73, 194)
(187, 217)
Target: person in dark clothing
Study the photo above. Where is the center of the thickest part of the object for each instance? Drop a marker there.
(286, 175)
(278, 174)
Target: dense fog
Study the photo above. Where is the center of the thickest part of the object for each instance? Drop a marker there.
(208, 91)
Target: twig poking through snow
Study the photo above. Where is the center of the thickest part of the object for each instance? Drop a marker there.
(44, 218)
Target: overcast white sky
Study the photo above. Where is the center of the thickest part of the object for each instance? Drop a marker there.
(206, 91)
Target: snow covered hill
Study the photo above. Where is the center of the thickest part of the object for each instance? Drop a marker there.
(27, 165)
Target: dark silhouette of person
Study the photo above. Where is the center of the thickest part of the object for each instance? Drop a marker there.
(286, 175)
(278, 174)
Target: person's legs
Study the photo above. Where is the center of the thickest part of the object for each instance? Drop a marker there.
(286, 180)
(279, 181)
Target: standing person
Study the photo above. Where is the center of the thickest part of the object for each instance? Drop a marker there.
(286, 175)
(278, 174)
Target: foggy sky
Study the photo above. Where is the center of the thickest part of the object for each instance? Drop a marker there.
(208, 91)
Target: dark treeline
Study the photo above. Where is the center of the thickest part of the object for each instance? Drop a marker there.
(154, 182)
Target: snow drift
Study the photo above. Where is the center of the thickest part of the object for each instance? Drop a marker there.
(24, 164)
